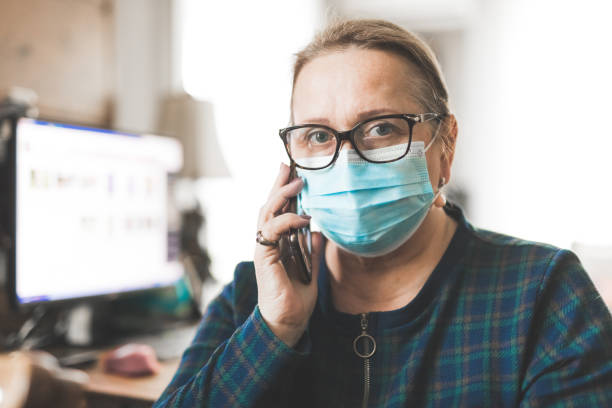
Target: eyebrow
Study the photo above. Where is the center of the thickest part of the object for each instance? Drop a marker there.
(360, 117)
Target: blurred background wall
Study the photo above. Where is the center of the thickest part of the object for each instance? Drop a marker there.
(64, 51)
(529, 81)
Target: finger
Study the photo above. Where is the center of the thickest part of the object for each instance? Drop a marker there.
(281, 178)
(277, 226)
(277, 201)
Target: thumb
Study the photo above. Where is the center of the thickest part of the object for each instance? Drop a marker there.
(317, 248)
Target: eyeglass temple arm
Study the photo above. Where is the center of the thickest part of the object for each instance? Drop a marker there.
(424, 117)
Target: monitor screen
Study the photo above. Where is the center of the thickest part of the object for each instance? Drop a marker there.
(91, 212)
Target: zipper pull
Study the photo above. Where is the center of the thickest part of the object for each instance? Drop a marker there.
(364, 322)
(370, 343)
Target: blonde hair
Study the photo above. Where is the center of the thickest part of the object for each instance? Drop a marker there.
(430, 89)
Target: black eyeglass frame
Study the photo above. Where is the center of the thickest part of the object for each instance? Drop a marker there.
(411, 118)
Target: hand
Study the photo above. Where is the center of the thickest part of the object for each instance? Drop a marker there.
(285, 302)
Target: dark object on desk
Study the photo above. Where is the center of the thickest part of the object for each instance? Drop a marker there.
(12, 107)
(192, 221)
(131, 360)
(195, 258)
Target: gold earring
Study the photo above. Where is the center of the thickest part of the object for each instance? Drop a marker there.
(441, 199)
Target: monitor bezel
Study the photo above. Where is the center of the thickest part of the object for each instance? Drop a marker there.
(11, 205)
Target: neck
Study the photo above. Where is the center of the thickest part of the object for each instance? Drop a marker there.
(388, 282)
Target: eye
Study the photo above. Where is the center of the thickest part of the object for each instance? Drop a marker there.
(381, 129)
(319, 137)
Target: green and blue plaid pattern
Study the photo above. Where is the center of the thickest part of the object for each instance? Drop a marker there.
(501, 322)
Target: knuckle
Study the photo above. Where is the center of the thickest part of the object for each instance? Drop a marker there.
(281, 224)
(276, 225)
(262, 212)
(279, 195)
(270, 230)
(273, 228)
(291, 220)
(288, 190)
(266, 211)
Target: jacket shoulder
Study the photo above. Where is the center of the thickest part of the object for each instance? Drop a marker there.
(508, 250)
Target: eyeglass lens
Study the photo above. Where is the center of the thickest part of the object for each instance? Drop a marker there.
(314, 147)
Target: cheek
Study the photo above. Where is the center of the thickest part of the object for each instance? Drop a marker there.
(433, 166)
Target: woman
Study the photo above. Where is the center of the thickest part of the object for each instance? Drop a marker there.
(410, 305)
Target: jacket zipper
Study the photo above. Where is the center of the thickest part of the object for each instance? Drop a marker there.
(369, 352)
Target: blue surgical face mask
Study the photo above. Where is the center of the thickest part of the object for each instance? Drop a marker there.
(369, 209)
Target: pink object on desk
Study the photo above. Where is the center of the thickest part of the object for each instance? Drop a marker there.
(131, 360)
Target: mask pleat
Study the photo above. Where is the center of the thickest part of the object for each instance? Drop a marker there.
(369, 208)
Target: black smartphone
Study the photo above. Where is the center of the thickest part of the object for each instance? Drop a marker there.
(295, 246)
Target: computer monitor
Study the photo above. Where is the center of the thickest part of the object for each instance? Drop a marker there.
(90, 212)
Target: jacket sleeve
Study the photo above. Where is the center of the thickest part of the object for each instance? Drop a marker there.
(569, 353)
(230, 364)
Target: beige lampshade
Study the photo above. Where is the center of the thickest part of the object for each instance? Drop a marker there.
(192, 122)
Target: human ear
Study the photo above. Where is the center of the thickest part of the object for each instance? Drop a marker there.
(447, 153)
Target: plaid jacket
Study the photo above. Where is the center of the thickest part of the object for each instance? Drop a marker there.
(501, 322)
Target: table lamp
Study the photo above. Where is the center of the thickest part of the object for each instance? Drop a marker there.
(192, 122)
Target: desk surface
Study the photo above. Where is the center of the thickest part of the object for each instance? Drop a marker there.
(141, 388)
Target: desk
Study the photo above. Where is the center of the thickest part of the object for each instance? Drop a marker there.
(109, 390)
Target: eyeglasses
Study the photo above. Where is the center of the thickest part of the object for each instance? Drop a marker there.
(314, 147)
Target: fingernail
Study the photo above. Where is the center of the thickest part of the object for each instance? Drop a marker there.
(306, 216)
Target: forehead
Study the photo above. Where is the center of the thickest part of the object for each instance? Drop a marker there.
(338, 86)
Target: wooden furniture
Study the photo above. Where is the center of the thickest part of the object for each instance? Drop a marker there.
(15, 375)
(34, 380)
(113, 391)
(28, 382)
